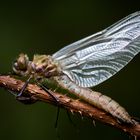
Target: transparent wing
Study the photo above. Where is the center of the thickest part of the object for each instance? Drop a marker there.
(96, 58)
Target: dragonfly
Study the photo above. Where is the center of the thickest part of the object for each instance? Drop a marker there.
(89, 62)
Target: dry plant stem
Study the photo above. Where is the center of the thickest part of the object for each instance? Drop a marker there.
(72, 105)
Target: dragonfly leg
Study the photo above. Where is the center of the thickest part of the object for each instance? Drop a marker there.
(71, 121)
(49, 92)
(24, 87)
(26, 99)
(55, 99)
(57, 116)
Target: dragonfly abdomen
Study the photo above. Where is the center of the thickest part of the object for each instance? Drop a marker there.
(97, 99)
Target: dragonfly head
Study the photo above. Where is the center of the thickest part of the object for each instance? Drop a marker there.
(20, 65)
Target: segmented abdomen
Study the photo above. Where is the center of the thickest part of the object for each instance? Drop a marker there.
(97, 99)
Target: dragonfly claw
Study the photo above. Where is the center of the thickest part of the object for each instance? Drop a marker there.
(26, 99)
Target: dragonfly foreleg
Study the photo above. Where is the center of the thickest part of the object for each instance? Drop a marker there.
(24, 98)
(24, 87)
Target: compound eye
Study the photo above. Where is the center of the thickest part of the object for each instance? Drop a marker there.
(21, 63)
(39, 69)
(15, 65)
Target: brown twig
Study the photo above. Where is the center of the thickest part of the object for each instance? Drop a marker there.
(72, 105)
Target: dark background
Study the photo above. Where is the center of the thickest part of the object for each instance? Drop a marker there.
(43, 28)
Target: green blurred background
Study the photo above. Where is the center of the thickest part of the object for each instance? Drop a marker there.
(45, 27)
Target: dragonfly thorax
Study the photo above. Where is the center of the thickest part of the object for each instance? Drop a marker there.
(42, 66)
